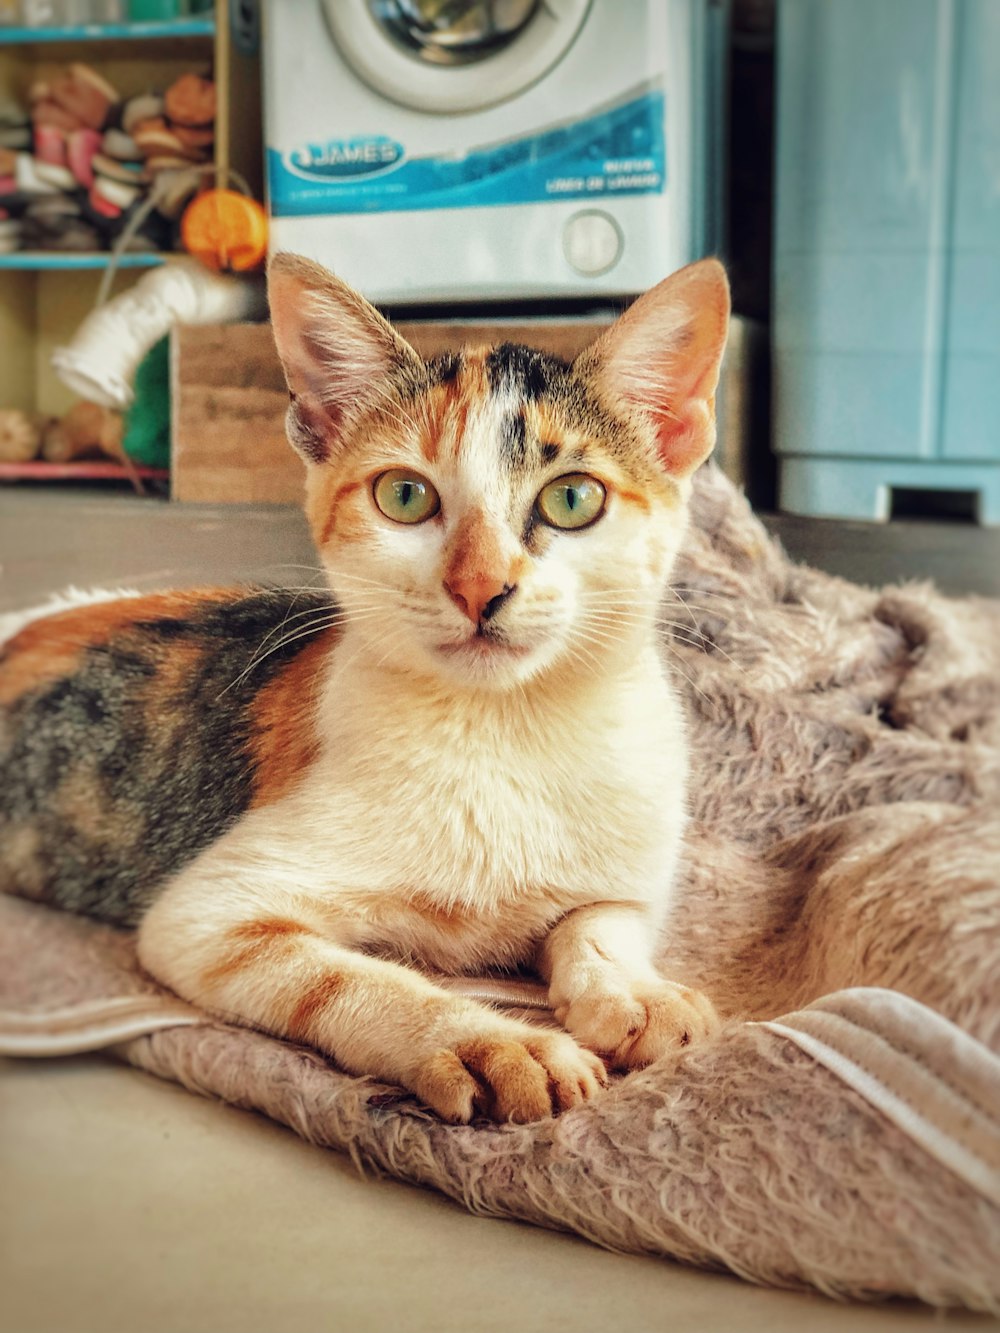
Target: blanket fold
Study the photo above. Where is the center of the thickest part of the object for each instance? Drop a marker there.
(840, 901)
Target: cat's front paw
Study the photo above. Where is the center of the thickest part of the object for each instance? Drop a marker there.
(634, 1024)
(516, 1074)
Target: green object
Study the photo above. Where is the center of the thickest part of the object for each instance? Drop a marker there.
(147, 11)
(147, 422)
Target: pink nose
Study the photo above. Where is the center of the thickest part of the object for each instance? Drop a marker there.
(477, 597)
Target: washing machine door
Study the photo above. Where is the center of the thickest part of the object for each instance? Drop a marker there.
(453, 55)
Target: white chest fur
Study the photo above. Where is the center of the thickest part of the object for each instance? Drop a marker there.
(503, 811)
(455, 830)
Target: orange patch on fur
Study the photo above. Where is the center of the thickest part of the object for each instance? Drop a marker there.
(449, 921)
(341, 494)
(266, 928)
(50, 648)
(175, 670)
(25, 668)
(440, 409)
(633, 497)
(254, 942)
(430, 437)
(312, 1004)
(283, 715)
(475, 381)
(325, 506)
(457, 425)
(543, 423)
(476, 552)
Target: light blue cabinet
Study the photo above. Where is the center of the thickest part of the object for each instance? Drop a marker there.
(887, 253)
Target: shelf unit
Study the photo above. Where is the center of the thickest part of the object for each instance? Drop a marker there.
(169, 29)
(44, 261)
(45, 296)
(92, 470)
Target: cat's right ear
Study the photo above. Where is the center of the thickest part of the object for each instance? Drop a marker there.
(336, 351)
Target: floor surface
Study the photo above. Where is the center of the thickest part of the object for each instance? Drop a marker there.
(131, 1206)
(49, 539)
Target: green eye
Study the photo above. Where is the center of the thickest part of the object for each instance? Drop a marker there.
(572, 502)
(405, 497)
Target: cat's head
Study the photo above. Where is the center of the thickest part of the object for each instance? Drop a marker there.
(496, 514)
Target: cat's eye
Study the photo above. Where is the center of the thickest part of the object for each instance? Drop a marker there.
(571, 502)
(405, 497)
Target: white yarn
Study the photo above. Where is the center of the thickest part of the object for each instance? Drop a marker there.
(100, 361)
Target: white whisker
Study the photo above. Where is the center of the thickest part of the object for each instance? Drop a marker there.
(324, 621)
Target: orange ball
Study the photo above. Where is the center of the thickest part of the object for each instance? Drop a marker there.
(225, 230)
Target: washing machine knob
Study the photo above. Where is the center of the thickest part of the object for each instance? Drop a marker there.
(592, 242)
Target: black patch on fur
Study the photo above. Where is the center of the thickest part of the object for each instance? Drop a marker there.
(549, 452)
(161, 773)
(529, 530)
(444, 368)
(513, 439)
(530, 373)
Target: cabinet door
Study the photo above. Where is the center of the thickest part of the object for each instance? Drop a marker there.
(971, 415)
(864, 121)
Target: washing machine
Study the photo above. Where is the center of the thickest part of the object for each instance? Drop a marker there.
(450, 151)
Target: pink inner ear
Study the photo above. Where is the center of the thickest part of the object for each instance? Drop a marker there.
(686, 439)
(674, 389)
(662, 360)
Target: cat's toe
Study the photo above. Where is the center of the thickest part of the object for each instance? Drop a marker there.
(575, 1075)
(604, 1020)
(447, 1087)
(634, 1027)
(510, 1079)
(676, 1017)
(513, 1085)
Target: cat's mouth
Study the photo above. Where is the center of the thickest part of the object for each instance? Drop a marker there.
(483, 644)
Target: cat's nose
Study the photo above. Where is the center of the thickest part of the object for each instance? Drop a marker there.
(478, 598)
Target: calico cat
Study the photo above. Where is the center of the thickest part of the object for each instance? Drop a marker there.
(466, 755)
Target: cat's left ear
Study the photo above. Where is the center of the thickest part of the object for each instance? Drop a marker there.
(661, 360)
(336, 350)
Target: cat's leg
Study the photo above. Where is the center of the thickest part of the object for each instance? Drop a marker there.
(607, 993)
(272, 959)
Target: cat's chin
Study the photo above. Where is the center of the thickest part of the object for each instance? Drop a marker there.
(487, 662)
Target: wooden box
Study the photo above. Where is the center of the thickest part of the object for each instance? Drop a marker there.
(229, 400)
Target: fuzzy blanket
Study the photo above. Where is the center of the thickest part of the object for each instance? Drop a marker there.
(840, 902)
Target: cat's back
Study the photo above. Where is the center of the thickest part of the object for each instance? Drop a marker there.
(134, 732)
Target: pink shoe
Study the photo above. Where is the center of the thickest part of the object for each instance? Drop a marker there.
(50, 145)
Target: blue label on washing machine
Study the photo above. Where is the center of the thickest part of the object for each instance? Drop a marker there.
(344, 159)
(619, 150)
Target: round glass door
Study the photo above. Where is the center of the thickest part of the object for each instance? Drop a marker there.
(452, 56)
(453, 32)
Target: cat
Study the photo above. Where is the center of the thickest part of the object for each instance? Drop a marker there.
(467, 754)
